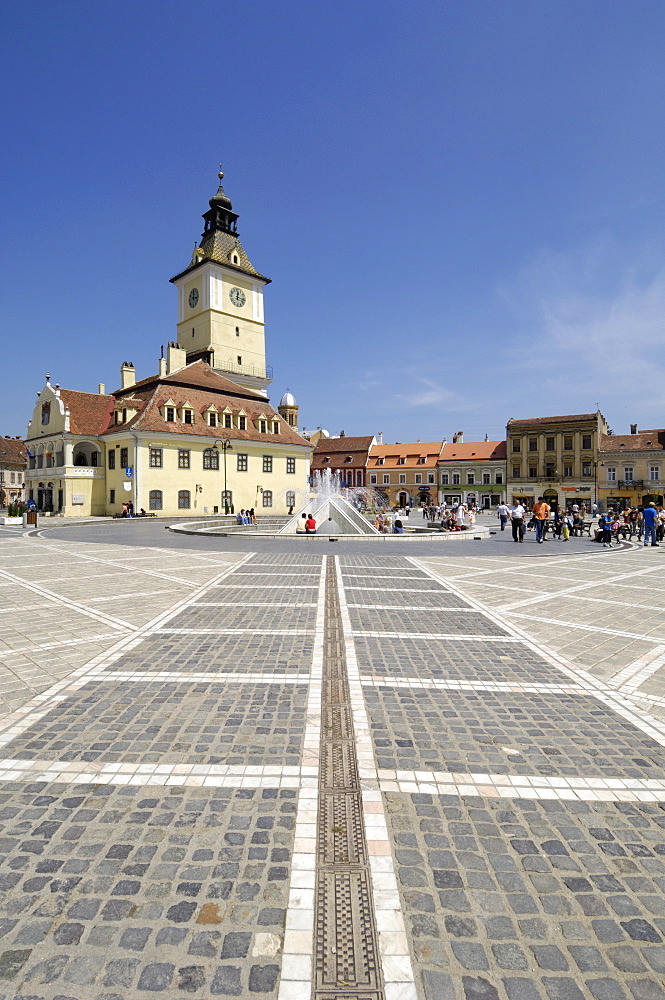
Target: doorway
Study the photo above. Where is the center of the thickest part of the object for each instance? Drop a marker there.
(402, 499)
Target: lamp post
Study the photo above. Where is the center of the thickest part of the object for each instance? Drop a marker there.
(226, 446)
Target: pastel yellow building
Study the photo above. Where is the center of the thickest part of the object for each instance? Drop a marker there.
(200, 436)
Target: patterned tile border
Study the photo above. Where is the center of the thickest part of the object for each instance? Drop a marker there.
(449, 685)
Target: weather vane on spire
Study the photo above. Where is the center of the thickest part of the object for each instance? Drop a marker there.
(221, 172)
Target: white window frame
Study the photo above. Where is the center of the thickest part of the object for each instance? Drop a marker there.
(386, 479)
(402, 479)
(654, 473)
(628, 473)
(611, 473)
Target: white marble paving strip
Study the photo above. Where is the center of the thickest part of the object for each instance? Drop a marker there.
(272, 586)
(523, 786)
(393, 948)
(255, 604)
(593, 685)
(89, 600)
(409, 607)
(552, 594)
(383, 576)
(23, 718)
(637, 672)
(451, 685)
(6, 653)
(298, 953)
(233, 631)
(121, 773)
(64, 602)
(450, 637)
(396, 590)
(587, 628)
(143, 677)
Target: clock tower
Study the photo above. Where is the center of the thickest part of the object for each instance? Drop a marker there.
(220, 301)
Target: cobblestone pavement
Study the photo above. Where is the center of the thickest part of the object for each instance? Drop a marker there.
(293, 774)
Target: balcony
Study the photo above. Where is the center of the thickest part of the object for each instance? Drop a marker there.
(256, 371)
(629, 484)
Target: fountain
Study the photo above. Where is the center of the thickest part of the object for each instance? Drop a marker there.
(331, 506)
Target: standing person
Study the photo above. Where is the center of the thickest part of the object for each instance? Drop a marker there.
(594, 508)
(541, 513)
(607, 520)
(516, 513)
(460, 514)
(650, 516)
(502, 513)
(310, 525)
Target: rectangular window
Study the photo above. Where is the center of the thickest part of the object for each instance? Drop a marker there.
(267, 498)
(611, 473)
(402, 478)
(155, 458)
(517, 472)
(628, 473)
(418, 478)
(486, 478)
(431, 478)
(267, 463)
(386, 478)
(380, 461)
(188, 416)
(586, 468)
(212, 419)
(654, 473)
(242, 423)
(549, 471)
(124, 415)
(455, 478)
(567, 471)
(211, 459)
(568, 442)
(275, 426)
(372, 479)
(94, 459)
(470, 479)
(112, 458)
(401, 461)
(533, 444)
(549, 444)
(228, 420)
(533, 472)
(444, 478)
(155, 500)
(290, 466)
(421, 461)
(184, 500)
(124, 457)
(170, 415)
(498, 477)
(242, 462)
(239, 356)
(111, 496)
(516, 444)
(586, 441)
(183, 458)
(263, 426)
(290, 498)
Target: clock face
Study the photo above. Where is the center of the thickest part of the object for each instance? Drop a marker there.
(237, 296)
(193, 297)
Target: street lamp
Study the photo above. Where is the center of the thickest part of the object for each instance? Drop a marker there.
(226, 446)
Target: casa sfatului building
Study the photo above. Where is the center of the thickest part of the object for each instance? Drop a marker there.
(196, 437)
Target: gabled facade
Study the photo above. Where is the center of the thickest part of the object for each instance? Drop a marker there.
(346, 455)
(406, 474)
(631, 468)
(472, 472)
(12, 470)
(192, 438)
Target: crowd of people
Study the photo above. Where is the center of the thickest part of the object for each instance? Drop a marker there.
(647, 522)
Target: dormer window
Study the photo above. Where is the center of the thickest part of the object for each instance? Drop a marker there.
(348, 458)
(242, 423)
(124, 415)
(212, 419)
(325, 460)
(170, 414)
(275, 426)
(188, 416)
(228, 420)
(235, 258)
(263, 426)
(380, 461)
(421, 461)
(401, 461)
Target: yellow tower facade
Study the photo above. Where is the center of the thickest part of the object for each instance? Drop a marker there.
(220, 301)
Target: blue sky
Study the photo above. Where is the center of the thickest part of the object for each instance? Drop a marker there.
(460, 204)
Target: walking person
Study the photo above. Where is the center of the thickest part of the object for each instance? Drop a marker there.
(502, 513)
(541, 513)
(516, 514)
(650, 517)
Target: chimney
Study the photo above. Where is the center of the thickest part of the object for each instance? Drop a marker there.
(342, 434)
(127, 375)
(101, 389)
(460, 437)
(379, 437)
(487, 437)
(162, 367)
(176, 358)
(633, 428)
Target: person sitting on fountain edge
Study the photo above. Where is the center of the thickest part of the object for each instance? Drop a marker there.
(310, 525)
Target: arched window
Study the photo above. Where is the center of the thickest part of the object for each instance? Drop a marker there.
(211, 458)
(155, 500)
(267, 498)
(290, 498)
(184, 500)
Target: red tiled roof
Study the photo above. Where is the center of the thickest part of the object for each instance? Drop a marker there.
(199, 375)
(12, 451)
(88, 411)
(390, 453)
(346, 444)
(480, 451)
(644, 441)
(553, 420)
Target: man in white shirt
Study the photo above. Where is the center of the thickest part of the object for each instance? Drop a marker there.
(516, 514)
(502, 511)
